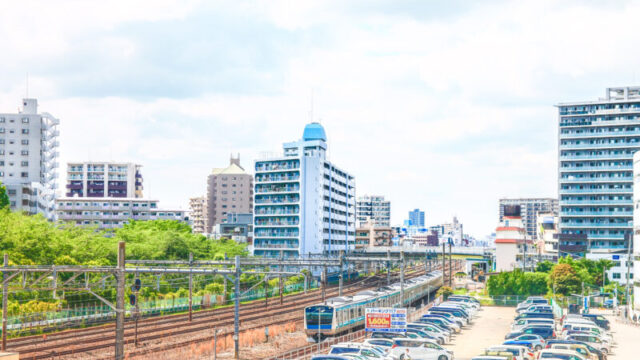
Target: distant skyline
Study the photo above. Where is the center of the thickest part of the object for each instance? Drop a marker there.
(444, 106)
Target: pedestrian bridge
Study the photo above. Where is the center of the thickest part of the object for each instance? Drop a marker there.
(422, 251)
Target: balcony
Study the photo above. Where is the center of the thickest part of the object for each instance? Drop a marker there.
(570, 225)
(596, 157)
(277, 166)
(572, 248)
(74, 186)
(276, 233)
(600, 146)
(607, 236)
(117, 187)
(628, 167)
(261, 189)
(275, 211)
(607, 134)
(597, 191)
(277, 222)
(596, 213)
(596, 202)
(260, 245)
(597, 180)
(277, 200)
(276, 178)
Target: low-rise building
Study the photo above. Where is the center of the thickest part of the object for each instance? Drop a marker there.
(109, 213)
(547, 228)
(621, 265)
(236, 226)
(511, 240)
(369, 234)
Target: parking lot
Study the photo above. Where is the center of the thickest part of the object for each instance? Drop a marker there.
(487, 329)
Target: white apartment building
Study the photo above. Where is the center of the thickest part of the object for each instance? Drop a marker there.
(453, 232)
(303, 203)
(198, 214)
(104, 179)
(109, 213)
(373, 207)
(547, 230)
(28, 159)
(530, 208)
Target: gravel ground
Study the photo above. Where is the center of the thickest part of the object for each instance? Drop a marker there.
(487, 329)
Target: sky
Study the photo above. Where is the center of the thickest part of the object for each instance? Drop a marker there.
(445, 106)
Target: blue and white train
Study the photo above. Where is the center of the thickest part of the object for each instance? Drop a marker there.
(341, 314)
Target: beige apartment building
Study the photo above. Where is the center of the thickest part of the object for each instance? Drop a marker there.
(198, 214)
(229, 190)
(369, 234)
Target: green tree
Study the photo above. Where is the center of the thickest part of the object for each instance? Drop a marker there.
(564, 279)
(544, 266)
(445, 292)
(517, 282)
(4, 198)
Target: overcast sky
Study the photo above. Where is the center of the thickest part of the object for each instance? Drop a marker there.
(442, 105)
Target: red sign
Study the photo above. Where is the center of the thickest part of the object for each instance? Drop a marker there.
(378, 321)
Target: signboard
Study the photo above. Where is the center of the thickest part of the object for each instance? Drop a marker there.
(616, 257)
(386, 319)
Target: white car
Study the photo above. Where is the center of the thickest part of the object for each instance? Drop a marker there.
(559, 354)
(419, 349)
(366, 350)
(520, 352)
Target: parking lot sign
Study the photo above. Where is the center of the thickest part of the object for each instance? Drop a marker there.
(386, 319)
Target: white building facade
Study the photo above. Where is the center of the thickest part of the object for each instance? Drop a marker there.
(511, 237)
(28, 159)
(373, 207)
(110, 213)
(303, 203)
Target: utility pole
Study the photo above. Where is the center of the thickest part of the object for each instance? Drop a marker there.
(5, 299)
(402, 278)
(137, 310)
(190, 286)
(627, 297)
(120, 311)
(266, 291)
(444, 257)
(388, 267)
(450, 268)
(236, 318)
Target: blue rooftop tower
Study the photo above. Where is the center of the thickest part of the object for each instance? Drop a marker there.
(314, 131)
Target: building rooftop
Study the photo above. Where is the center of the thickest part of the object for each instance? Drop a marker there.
(314, 131)
(229, 170)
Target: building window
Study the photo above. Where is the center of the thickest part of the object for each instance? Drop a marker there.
(24, 152)
(1, 130)
(24, 174)
(1, 163)
(1, 173)
(24, 163)
(25, 131)
(25, 142)
(615, 275)
(25, 120)
(2, 120)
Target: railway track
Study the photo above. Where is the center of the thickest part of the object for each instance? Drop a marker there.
(102, 337)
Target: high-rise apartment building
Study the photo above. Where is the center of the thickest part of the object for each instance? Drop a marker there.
(597, 140)
(104, 179)
(529, 210)
(28, 159)
(416, 218)
(303, 203)
(229, 190)
(373, 207)
(198, 214)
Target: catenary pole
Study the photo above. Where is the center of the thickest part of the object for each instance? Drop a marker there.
(5, 299)
(120, 313)
(236, 318)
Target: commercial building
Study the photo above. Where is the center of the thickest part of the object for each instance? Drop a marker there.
(198, 214)
(229, 190)
(28, 159)
(511, 240)
(238, 227)
(104, 179)
(373, 207)
(416, 218)
(597, 140)
(530, 208)
(110, 213)
(371, 234)
(304, 204)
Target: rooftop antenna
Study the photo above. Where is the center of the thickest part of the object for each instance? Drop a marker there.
(311, 107)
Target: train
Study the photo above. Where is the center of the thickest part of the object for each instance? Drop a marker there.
(345, 313)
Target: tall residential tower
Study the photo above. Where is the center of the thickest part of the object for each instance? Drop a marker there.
(597, 140)
(303, 203)
(229, 190)
(28, 159)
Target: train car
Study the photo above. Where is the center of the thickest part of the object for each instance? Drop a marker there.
(334, 278)
(341, 314)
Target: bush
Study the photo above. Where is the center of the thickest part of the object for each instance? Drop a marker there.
(445, 292)
(517, 282)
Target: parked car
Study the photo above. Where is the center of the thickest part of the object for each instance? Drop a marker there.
(358, 349)
(599, 320)
(537, 340)
(558, 354)
(593, 350)
(579, 348)
(545, 332)
(535, 315)
(441, 322)
(419, 349)
(592, 340)
(522, 323)
(520, 352)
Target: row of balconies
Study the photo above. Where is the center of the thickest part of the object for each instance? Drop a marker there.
(272, 210)
(587, 202)
(599, 179)
(597, 191)
(564, 146)
(597, 156)
(276, 233)
(596, 168)
(596, 213)
(277, 199)
(600, 134)
(277, 177)
(261, 189)
(277, 165)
